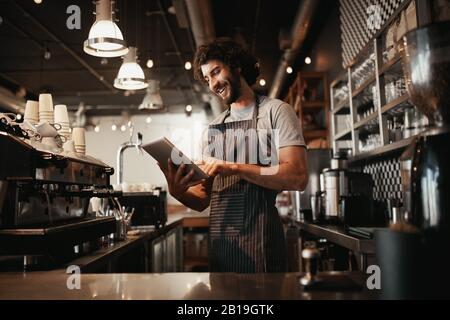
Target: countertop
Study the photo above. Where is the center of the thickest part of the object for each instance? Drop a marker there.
(339, 236)
(90, 261)
(173, 286)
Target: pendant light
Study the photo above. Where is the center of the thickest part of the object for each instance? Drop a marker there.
(105, 38)
(130, 76)
(153, 99)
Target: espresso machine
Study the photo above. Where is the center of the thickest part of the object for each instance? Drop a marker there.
(44, 199)
(347, 197)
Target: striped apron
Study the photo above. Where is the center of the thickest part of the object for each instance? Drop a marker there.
(246, 234)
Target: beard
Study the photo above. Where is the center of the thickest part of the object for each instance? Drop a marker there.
(233, 84)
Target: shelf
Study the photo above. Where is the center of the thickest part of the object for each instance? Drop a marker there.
(363, 86)
(366, 120)
(394, 103)
(388, 65)
(342, 107)
(383, 150)
(344, 135)
(314, 134)
(313, 104)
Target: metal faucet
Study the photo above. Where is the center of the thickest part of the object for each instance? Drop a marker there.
(129, 144)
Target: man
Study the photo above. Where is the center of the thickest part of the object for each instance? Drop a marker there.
(246, 233)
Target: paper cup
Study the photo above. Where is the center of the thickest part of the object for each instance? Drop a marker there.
(78, 136)
(61, 114)
(45, 102)
(32, 111)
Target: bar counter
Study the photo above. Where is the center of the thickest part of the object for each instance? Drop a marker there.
(173, 286)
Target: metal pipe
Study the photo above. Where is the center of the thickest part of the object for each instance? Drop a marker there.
(202, 22)
(129, 144)
(299, 31)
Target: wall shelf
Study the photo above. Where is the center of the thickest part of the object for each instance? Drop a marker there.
(388, 65)
(309, 96)
(342, 108)
(366, 120)
(344, 135)
(397, 146)
(364, 86)
(394, 103)
(375, 127)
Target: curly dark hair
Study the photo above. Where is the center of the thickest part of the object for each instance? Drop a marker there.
(231, 54)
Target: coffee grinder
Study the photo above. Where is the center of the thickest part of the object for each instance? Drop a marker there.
(426, 64)
(426, 189)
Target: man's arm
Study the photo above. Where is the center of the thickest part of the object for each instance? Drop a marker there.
(290, 174)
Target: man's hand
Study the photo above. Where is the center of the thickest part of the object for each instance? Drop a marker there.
(178, 181)
(216, 167)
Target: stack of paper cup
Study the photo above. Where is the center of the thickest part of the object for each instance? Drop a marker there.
(45, 108)
(62, 118)
(31, 112)
(79, 139)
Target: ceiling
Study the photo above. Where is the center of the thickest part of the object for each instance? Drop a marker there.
(28, 30)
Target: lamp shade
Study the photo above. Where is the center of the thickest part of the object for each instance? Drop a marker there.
(153, 99)
(105, 38)
(130, 76)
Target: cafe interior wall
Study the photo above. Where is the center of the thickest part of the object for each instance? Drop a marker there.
(183, 130)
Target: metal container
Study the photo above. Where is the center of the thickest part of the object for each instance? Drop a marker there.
(332, 193)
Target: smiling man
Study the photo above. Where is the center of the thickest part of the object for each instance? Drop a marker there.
(254, 150)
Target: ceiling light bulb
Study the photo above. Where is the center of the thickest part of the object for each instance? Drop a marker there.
(47, 54)
(188, 65)
(97, 128)
(113, 127)
(105, 38)
(149, 63)
(104, 61)
(308, 60)
(130, 76)
(188, 108)
(38, 1)
(289, 70)
(262, 82)
(123, 128)
(148, 120)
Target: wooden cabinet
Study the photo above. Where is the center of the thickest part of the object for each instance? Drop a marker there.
(309, 97)
(166, 252)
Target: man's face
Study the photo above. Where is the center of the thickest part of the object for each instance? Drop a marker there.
(222, 81)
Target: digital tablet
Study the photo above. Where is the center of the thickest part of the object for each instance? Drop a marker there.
(162, 149)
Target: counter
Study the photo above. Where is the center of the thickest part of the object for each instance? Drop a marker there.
(361, 248)
(173, 286)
